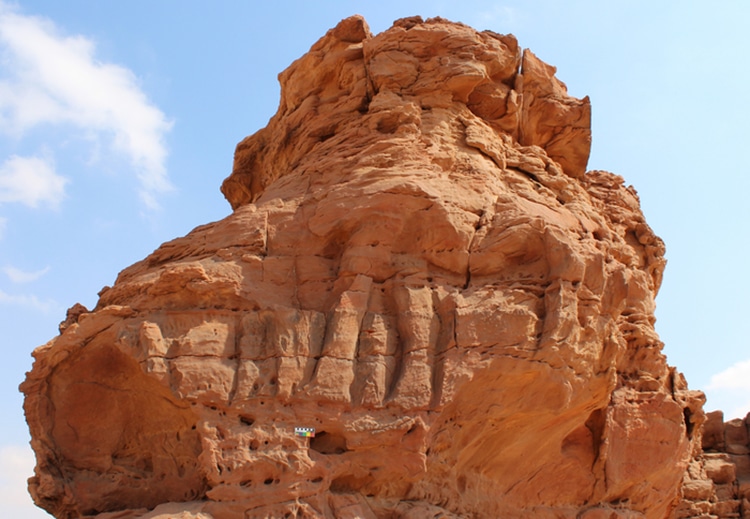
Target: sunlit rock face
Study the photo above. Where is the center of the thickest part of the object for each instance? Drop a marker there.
(418, 267)
(717, 481)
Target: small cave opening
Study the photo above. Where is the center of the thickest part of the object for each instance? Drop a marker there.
(328, 443)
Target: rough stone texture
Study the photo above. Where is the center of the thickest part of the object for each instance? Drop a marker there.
(418, 267)
(717, 482)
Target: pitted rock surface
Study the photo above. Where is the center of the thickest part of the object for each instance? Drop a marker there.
(418, 267)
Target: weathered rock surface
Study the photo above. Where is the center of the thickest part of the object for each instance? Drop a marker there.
(717, 482)
(418, 267)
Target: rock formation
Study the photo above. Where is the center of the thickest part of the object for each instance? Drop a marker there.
(417, 266)
(717, 482)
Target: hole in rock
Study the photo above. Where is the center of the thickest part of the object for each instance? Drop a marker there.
(247, 420)
(328, 443)
(268, 481)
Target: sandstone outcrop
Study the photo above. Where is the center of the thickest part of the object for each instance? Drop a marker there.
(717, 482)
(417, 266)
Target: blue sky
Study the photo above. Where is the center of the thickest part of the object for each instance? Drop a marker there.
(118, 122)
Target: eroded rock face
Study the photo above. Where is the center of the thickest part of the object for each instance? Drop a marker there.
(418, 267)
(717, 482)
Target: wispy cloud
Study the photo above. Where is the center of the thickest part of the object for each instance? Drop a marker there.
(17, 275)
(29, 301)
(31, 181)
(730, 389)
(51, 78)
(3, 225)
(736, 376)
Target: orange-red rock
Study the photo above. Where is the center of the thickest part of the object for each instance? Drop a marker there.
(717, 482)
(418, 268)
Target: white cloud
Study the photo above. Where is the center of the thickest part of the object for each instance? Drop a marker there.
(729, 390)
(16, 465)
(3, 225)
(736, 376)
(17, 275)
(31, 181)
(28, 301)
(51, 78)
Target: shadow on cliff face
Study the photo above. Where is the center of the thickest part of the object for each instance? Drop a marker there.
(121, 439)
